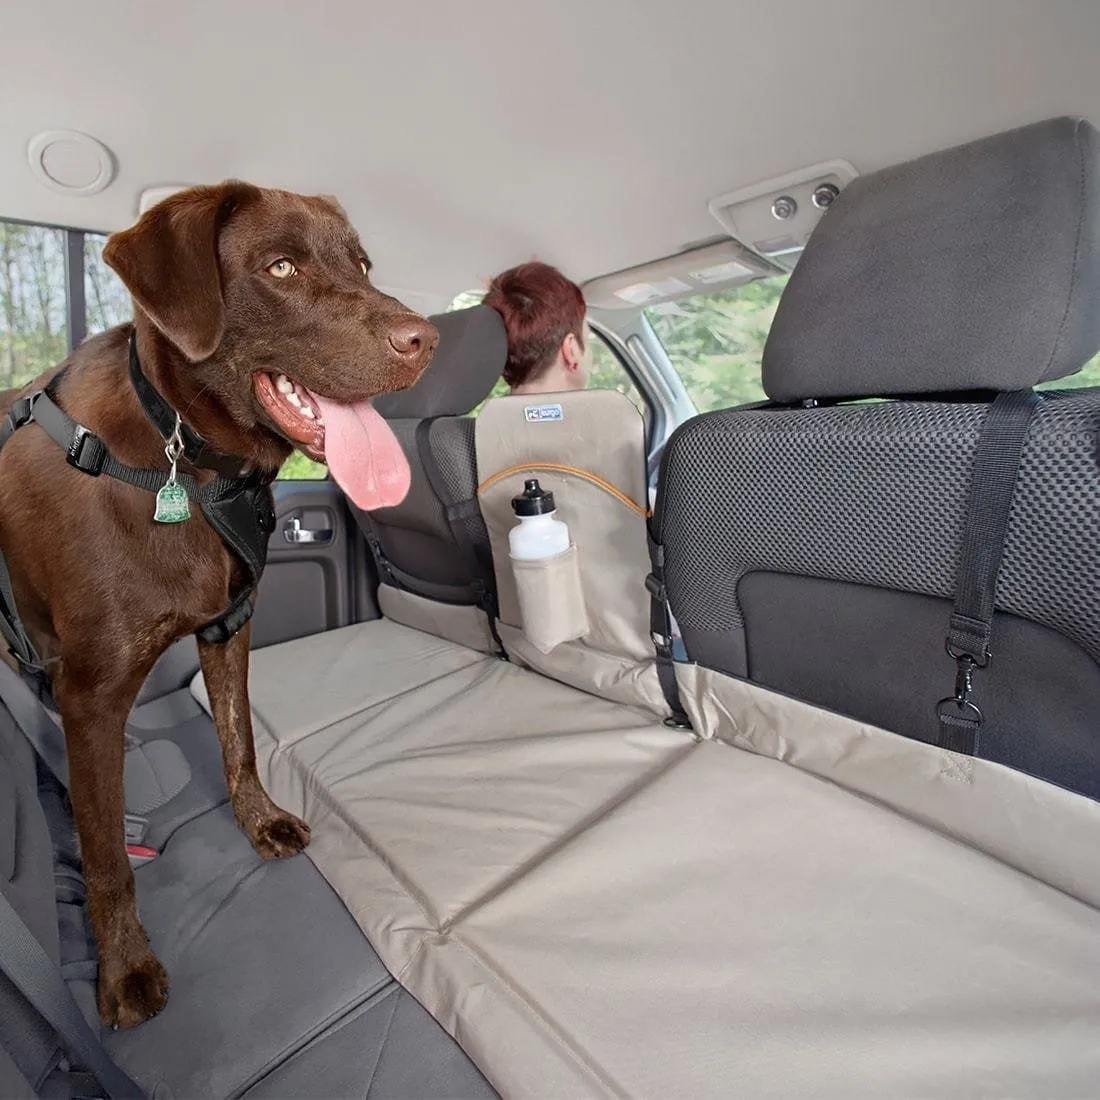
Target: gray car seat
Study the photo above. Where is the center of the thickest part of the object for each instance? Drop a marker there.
(434, 544)
(815, 545)
(274, 991)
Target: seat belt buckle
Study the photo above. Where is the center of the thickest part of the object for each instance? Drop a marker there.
(136, 827)
(86, 452)
(656, 587)
(137, 851)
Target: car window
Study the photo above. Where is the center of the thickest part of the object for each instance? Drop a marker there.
(716, 341)
(106, 300)
(33, 304)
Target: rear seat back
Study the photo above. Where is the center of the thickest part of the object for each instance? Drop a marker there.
(592, 608)
(813, 548)
(432, 550)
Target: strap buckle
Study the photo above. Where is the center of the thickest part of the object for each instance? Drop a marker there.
(21, 411)
(656, 587)
(86, 451)
(960, 717)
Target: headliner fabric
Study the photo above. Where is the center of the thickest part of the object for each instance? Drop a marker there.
(467, 364)
(785, 903)
(973, 268)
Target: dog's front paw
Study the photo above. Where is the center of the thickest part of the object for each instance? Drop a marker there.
(280, 835)
(130, 995)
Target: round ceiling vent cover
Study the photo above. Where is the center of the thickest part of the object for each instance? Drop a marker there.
(71, 162)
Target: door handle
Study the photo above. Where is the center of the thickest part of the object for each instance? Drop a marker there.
(295, 533)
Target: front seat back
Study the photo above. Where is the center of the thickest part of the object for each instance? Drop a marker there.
(432, 550)
(814, 546)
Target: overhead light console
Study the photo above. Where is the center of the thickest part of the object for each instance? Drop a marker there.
(775, 218)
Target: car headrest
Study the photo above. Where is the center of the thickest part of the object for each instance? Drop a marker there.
(468, 362)
(977, 268)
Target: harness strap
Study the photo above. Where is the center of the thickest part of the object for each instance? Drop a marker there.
(195, 449)
(85, 451)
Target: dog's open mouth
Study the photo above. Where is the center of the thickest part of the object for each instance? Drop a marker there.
(357, 444)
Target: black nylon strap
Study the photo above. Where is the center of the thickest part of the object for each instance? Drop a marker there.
(992, 485)
(468, 530)
(38, 978)
(89, 454)
(660, 628)
(195, 449)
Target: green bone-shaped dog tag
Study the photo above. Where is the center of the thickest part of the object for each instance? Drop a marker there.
(172, 504)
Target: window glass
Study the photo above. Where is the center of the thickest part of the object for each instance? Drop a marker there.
(609, 374)
(300, 468)
(716, 341)
(106, 301)
(1088, 375)
(33, 333)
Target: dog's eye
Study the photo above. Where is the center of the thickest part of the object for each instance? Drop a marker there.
(363, 266)
(282, 269)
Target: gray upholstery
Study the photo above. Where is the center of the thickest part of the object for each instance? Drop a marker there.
(26, 881)
(274, 990)
(219, 917)
(973, 268)
(415, 537)
(466, 366)
(814, 550)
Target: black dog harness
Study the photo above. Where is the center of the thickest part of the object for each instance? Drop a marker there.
(239, 507)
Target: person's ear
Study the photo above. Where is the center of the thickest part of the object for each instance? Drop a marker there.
(169, 263)
(572, 353)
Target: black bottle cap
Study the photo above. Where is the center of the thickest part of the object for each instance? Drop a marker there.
(533, 501)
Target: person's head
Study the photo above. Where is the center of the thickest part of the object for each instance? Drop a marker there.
(549, 349)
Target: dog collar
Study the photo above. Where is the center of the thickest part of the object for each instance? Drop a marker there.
(163, 417)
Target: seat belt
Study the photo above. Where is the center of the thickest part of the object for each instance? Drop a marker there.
(38, 978)
(47, 738)
(660, 628)
(30, 714)
(468, 530)
(992, 485)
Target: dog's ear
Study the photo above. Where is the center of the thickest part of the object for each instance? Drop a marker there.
(169, 262)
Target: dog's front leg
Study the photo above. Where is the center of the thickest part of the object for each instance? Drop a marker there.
(94, 703)
(274, 832)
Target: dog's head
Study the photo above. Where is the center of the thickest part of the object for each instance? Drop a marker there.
(267, 295)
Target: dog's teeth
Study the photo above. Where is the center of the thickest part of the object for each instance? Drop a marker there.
(307, 412)
(284, 384)
(294, 399)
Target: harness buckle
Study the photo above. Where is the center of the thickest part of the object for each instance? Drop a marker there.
(21, 411)
(86, 451)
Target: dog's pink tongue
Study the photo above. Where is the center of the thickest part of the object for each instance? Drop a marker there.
(363, 454)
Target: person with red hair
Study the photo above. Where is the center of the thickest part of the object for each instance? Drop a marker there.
(549, 346)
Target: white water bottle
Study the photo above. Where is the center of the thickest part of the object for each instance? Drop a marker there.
(538, 534)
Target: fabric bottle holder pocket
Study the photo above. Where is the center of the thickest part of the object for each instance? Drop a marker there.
(551, 600)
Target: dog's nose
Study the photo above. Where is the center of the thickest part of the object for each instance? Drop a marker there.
(413, 338)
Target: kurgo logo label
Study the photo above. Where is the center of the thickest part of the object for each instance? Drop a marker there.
(539, 413)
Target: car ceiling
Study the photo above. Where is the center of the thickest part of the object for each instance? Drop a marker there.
(464, 137)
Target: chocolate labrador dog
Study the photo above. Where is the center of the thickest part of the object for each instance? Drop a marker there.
(256, 322)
